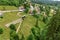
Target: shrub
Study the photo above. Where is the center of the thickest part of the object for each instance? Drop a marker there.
(12, 27)
(1, 31)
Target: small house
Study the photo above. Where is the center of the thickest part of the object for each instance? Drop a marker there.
(21, 8)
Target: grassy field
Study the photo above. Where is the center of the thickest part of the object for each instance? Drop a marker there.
(8, 8)
(25, 29)
(7, 18)
(26, 26)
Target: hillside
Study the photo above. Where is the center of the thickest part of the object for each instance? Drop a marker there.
(49, 2)
(25, 20)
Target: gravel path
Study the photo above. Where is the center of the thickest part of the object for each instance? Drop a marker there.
(13, 22)
(11, 11)
(19, 26)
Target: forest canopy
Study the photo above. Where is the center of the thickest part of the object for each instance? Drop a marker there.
(12, 2)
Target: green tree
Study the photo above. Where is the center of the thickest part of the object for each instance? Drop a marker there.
(26, 6)
(36, 31)
(54, 27)
(9, 2)
(13, 35)
(22, 2)
(30, 37)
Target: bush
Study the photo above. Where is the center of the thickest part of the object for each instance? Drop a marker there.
(30, 37)
(13, 35)
(1, 31)
(12, 27)
(1, 16)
